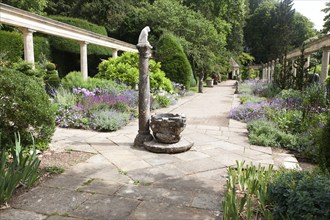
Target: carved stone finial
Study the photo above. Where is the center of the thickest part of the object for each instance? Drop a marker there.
(143, 38)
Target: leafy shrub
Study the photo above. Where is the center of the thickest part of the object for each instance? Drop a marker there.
(300, 195)
(174, 61)
(74, 80)
(125, 69)
(109, 120)
(266, 133)
(324, 147)
(315, 96)
(287, 120)
(162, 101)
(12, 45)
(21, 170)
(36, 72)
(290, 94)
(25, 108)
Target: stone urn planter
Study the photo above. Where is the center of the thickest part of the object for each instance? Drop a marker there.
(167, 127)
(209, 82)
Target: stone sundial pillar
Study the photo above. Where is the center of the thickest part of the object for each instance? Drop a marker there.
(144, 135)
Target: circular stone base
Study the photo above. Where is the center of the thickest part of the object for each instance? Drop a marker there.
(156, 147)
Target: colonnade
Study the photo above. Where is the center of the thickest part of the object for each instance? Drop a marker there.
(320, 44)
(30, 23)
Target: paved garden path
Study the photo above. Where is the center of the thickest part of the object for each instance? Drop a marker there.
(123, 182)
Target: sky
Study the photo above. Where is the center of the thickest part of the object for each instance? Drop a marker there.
(312, 10)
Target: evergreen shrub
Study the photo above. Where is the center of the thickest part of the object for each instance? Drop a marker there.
(174, 61)
(72, 46)
(11, 43)
(25, 108)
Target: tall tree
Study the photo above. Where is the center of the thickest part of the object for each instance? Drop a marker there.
(274, 28)
(35, 6)
(326, 25)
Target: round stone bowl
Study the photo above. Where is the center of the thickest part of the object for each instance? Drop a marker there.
(167, 127)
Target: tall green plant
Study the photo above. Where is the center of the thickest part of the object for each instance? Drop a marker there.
(246, 195)
(21, 170)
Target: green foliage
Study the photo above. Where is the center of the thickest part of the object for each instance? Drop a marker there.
(287, 120)
(245, 98)
(54, 169)
(21, 170)
(290, 94)
(74, 80)
(246, 196)
(266, 133)
(41, 48)
(174, 61)
(51, 79)
(109, 120)
(11, 43)
(35, 6)
(275, 18)
(324, 147)
(300, 195)
(64, 97)
(125, 70)
(25, 108)
(162, 101)
(72, 46)
(327, 81)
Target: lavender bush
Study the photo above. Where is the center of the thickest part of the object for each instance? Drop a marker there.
(98, 109)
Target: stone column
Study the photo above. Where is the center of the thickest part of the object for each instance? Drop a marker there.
(28, 45)
(263, 71)
(269, 70)
(144, 95)
(272, 71)
(83, 60)
(294, 70)
(307, 63)
(325, 64)
(114, 53)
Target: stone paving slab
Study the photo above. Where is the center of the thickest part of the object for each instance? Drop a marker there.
(163, 211)
(50, 201)
(17, 214)
(105, 207)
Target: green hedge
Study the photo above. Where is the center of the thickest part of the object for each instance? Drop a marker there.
(41, 47)
(11, 43)
(72, 46)
(174, 61)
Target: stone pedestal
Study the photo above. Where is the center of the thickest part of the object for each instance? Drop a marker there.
(144, 95)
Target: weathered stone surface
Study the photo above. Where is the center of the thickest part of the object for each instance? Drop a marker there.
(179, 147)
(50, 200)
(105, 207)
(167, 127)
(17, 214)
(100, 187)
(160, 211)
(65, 181)
(58, 217)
